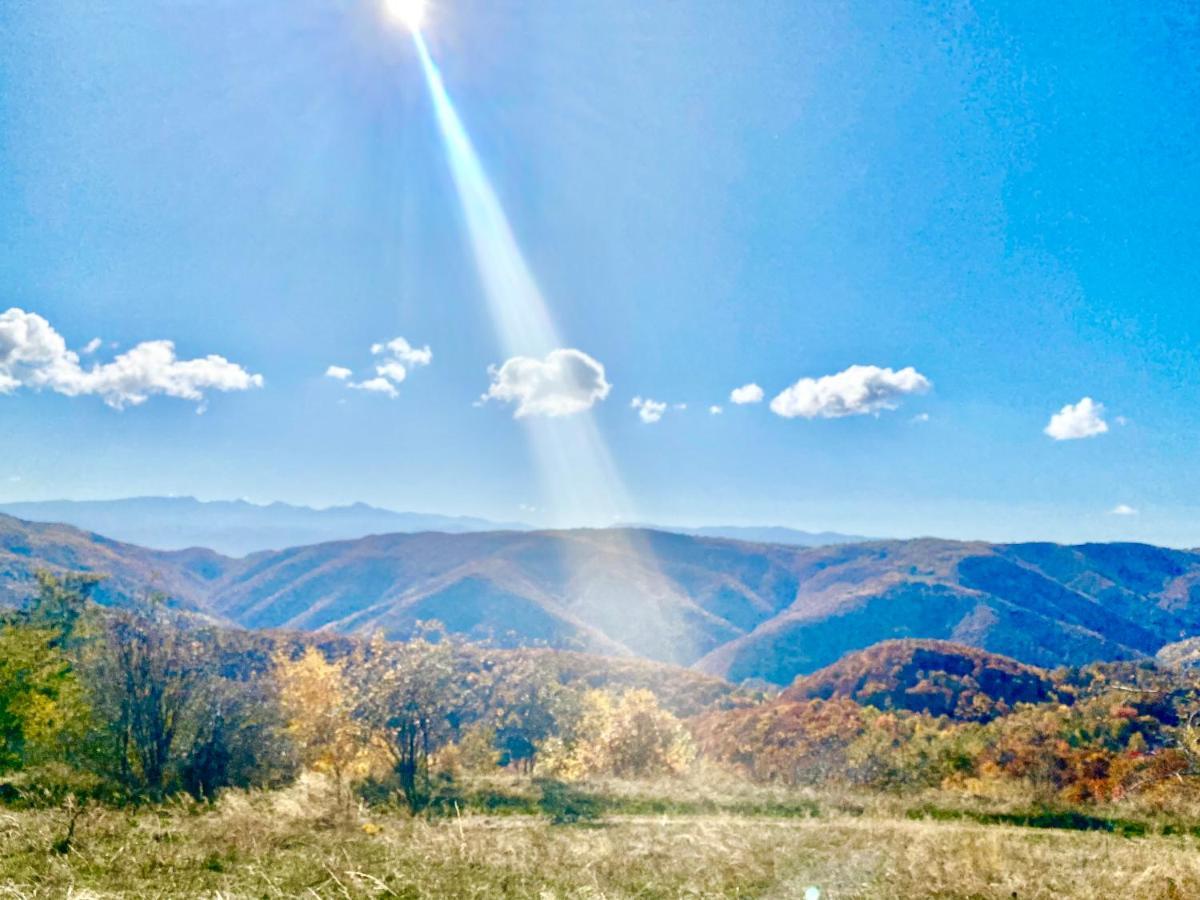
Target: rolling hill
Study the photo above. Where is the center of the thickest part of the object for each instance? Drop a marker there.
(732, 609)
(186, 577)
(936, 677)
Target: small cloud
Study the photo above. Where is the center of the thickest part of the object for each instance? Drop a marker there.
(919, 418)
(681, 406)
(1084, 419)
(715, 410)
(856, 391)
(397, 357)
(747, 393)
(92, 346)
(376, 386)
(1121, 420)
(649, 411)
(393, 371)
(1122, 509)
(14, 479)
(566, 381)
(402, 350)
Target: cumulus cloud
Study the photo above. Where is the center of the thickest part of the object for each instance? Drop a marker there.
(91, 346)
(400, 350)
(378, 385)
(715, 410)
(395, 359)
(747, 393)
(35, 356)
(649, 411)
(566, 381)
(1122, 509)
(1084, 419)
(856, 391)
(392, 370)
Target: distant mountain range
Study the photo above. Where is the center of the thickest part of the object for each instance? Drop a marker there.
(238, 528)
(768, 534)
(735, 609)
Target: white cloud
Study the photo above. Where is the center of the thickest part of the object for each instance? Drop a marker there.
(715, 410)
(919, 419)
(649, 411)
(378, 385)
(35, 356)
(402, 351)
(92, 346)
(857, 391)
(392, 370)
(567, 381)
(1084, 419)
(747, 393)
(1122, 509)
(396, 358)
(681, 406)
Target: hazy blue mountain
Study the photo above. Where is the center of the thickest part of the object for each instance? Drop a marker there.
(729, 608)
(235, 527)
(774, 534)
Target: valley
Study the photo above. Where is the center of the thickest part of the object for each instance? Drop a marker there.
(732, 609)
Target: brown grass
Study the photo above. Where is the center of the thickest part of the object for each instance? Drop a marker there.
(274, 845)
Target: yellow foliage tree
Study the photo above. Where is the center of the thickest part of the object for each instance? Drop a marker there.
(629, 736)
(318, 707)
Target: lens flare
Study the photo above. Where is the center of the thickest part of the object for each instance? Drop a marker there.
(410, 13)
(580, 483)
(577, 470)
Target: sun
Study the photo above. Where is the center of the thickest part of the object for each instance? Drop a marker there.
(410, 13)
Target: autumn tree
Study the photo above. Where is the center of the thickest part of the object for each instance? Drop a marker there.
(408, 696)
(148, 676)
(237, 738)
(523, 704)
(41, 702)
(629, 736)
(43, 711)
(318, 707)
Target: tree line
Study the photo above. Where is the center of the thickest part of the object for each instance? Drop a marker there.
(138, 703)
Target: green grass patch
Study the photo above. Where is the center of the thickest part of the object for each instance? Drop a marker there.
(1066, 819)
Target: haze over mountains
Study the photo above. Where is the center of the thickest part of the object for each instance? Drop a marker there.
(735, 609)
(238, 527)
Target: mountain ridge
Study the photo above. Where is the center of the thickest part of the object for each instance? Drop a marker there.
(239, 528)
(728, 608)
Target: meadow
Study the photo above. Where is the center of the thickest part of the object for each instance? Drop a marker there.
(143, 754)
(749, 843)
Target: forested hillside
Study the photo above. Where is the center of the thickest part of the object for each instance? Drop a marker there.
(732, 609)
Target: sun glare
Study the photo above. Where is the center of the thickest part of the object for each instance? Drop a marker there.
(410, 13)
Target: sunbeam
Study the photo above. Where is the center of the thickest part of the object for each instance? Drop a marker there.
(580, 482)
(516, 304)
(579, 479)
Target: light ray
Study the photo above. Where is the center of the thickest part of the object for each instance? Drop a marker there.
(579, 479)
(516, 303)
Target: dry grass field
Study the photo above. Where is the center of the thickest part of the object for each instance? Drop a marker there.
(271, 845)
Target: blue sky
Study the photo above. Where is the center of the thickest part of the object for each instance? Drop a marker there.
(1005, 198)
